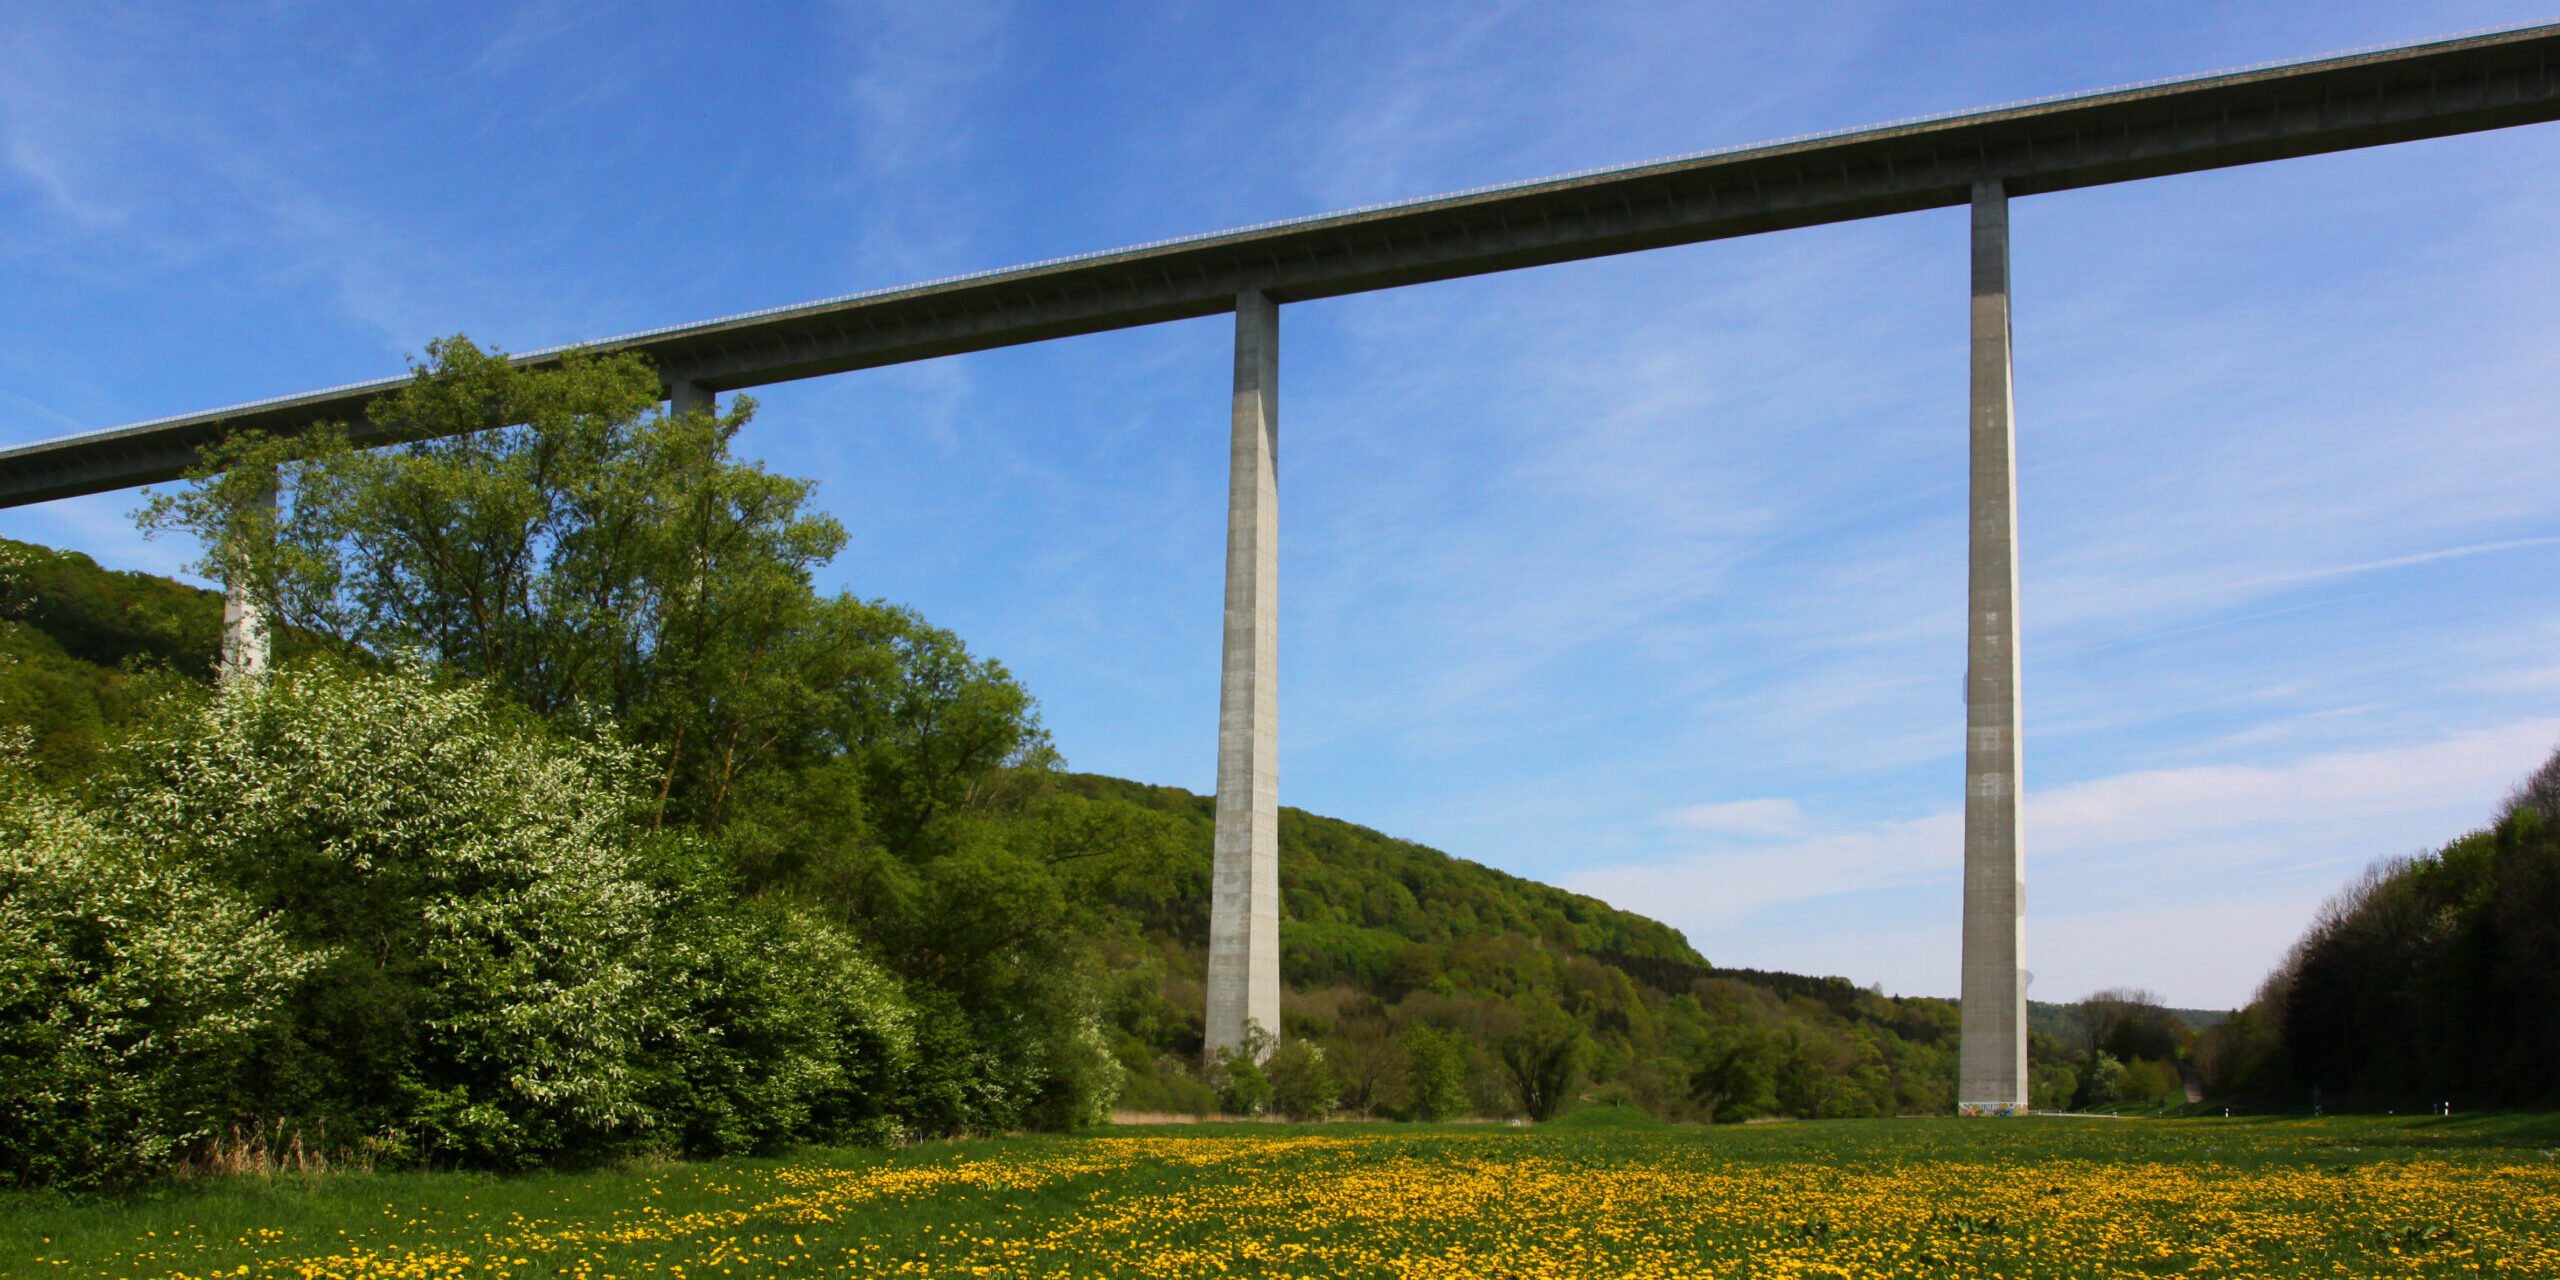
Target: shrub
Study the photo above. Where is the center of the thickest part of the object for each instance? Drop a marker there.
(1435, 1073)
(131, 990)
(1303, 1086)
(1736, 1077)
(1545, 1051)
(2103, 1083)
(771, 1027)
(2148, 1081)
(1243, 1089)
(510, 968)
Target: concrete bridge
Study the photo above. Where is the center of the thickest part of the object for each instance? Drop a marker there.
(1982, 159)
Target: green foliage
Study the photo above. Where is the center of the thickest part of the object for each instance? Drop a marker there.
(1545, 1052)
(132, 990)
(548, 532)
(106, 618)
(1382, 937)
(597, 562)
(2432, 979)
(771, 1027)
(2146, 1080)
(85, 653)
(509, 968)
(473, 888)
(1303, 1086)
(1737, 1075)
(2104, 1083)
(1435, 1073)
(1237, 1074)
(2053, 1076)
(1605, 1116)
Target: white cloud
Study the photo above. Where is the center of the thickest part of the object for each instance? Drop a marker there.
(2162, 807)
(1739, 817)
(1726, 886)
(2189, 880)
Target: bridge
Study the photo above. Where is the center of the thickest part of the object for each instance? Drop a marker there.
(1982, 159)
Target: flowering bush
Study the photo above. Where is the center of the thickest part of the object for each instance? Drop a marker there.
(387, 910)
(130, 991)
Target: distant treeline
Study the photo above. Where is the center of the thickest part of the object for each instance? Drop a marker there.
(2432, 980)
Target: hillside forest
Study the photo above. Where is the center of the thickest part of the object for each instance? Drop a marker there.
(574, 823)
(2431, 981)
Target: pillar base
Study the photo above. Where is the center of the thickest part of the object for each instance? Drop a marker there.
(1991, 1108)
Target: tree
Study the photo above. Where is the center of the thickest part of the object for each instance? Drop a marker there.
(604, 564)
(1544, 1051)
(2131, 1024)
(1736, 1076)
(547, 531)
(1303, 1086)
(1435, 1073)
(2103, 1083)
(1368, 1063)
(507, 968)
(1237, 1074)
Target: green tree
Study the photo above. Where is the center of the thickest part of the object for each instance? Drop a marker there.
(1368, 1063)
(1544, 1050)
(1303, 1086)
(550, 532)
(1435, 1074)
(2103, 1083)
(1736, 1076)
(509, 969)
(1244, 1089)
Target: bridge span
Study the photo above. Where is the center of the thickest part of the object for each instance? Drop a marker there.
(1983, 159)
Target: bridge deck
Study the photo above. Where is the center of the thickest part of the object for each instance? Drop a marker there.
(2460, 85)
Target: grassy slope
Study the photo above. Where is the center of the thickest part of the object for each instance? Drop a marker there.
(2040, 1197)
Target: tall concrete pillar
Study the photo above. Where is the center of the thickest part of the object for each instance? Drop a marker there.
(1991, 1069)
(1244, 879)
(685, 397)
(244, 617)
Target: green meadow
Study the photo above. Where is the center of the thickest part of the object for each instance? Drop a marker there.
(1599, 1193)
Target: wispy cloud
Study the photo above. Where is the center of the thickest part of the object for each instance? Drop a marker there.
(1739, 817)
(2396, 562)
(2111, 848)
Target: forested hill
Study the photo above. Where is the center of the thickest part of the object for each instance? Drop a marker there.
(1353, 900)
(85, 645)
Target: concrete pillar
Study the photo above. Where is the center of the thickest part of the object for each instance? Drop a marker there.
(1244, 879)
(244, 617)
(685, 397)
(1991, 1068)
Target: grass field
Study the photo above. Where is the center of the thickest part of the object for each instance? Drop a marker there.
(1585, 1197)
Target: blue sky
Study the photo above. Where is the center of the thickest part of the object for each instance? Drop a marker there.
(1642, 576)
